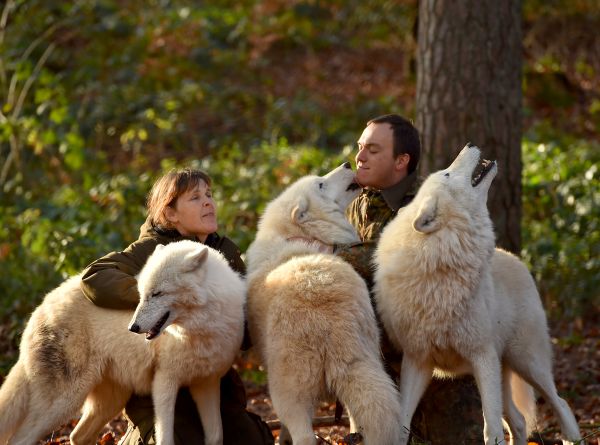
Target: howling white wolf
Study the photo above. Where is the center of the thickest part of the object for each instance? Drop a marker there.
(310, 316)
(454, 304)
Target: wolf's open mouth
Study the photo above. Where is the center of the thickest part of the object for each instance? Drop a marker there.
(353, 186)
(154, 330)
(482, 168)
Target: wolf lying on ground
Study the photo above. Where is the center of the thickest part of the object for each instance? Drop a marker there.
(75, 354)
(454, 304)
(310, 316)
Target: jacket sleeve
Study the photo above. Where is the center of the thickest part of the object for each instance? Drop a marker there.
(360, 257)
(110, 281)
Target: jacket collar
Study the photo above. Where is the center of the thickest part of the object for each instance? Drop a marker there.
(173, 235)
(394, 195)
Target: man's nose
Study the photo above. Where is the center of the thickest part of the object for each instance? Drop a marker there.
(360, 156)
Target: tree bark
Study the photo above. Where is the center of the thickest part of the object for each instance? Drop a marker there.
(469, 90)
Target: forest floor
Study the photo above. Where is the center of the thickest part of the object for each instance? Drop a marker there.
(576, 372)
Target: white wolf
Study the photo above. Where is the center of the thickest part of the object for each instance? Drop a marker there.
(455, 304)
(310, 316)
(75, 354)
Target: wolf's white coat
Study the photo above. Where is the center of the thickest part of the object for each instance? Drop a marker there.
(310, 316)
(454, 304)
(74, 352)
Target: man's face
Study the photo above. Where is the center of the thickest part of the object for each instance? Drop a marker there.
(376, 166)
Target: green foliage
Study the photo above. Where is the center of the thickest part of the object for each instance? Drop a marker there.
(100, 97)
(561, 220)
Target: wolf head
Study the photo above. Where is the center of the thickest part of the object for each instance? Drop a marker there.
(313, 207)
(456, 194)
(169, 284)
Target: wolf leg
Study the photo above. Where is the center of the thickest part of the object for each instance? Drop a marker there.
(294, 404)
(514, 419)
(103, 403)
(414, 379)
(164, 395)
(46, 412)
(207, 395)
(537, 373)
(486, 370)
(14, 401)
(372, 401)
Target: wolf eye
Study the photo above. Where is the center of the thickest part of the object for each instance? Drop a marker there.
(320, 185)
(155, 294)
(447, 175)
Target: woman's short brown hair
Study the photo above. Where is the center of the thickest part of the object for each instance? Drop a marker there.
(167, 189)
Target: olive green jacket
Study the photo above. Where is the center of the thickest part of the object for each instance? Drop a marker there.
(110, 281)
(369, 213)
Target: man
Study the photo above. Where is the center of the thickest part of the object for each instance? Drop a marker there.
(388, 154)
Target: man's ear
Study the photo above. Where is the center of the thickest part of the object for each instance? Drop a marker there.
(401, 161)
(300, 211)
(196, 259)
(427, 220)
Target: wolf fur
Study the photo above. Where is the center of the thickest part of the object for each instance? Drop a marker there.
(454, 304)
(75, 354)
(310, 316)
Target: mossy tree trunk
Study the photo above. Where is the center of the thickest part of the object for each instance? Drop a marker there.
(469, 90)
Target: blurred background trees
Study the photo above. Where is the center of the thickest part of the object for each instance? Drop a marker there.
(99, 97)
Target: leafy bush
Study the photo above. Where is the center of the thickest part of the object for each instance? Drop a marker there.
(561, 220)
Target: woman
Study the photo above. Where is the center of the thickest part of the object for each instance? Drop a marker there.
(180, 206)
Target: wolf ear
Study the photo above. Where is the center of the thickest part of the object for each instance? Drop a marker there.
(196, 259)
(300, 211)
(427, 220)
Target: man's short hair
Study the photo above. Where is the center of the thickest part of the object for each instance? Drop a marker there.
(406, 138)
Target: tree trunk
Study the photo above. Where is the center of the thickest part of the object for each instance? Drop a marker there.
(469, 90)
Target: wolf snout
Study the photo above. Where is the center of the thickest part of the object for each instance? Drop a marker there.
(347, 165)
(134, 327)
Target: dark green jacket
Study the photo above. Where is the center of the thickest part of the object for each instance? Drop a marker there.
(110, 282)
(369, 213)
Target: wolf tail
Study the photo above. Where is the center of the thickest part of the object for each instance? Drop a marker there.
(524, 398)
(372, 401)
(14, 398)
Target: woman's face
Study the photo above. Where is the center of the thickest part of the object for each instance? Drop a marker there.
(194, 212)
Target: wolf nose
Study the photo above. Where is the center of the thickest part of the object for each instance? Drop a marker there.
(134, 328)
(346, 165)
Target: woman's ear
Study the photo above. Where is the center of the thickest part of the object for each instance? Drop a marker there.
(170, 215)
